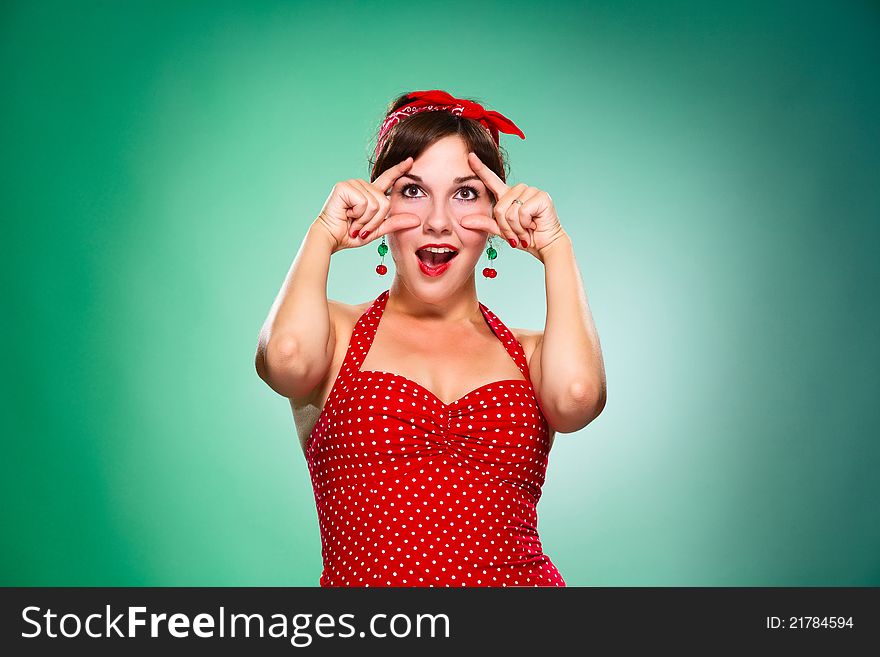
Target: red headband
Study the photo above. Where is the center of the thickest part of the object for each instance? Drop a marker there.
(434, 100)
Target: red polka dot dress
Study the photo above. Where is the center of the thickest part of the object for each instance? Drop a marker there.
(412, 491)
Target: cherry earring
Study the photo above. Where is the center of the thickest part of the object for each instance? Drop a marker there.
(381, 269)
(491, 253)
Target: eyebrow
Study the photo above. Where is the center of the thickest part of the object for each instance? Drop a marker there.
(454, 180)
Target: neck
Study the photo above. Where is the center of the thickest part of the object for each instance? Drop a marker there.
(457, 307)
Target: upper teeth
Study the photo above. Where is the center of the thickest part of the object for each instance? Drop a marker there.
(438, 249)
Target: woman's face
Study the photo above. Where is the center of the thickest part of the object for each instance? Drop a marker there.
(440, 188)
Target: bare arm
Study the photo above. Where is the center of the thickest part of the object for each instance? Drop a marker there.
(569, 376)
(297, 339)
(572, 371)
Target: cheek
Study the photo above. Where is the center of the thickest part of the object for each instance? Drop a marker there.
(396, 201)
(393, 243)
(483, 204)
(473, 244)
(398, 242)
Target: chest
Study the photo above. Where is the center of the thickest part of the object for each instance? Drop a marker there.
(445, 362)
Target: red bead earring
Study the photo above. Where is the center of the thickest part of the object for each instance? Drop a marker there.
(489, 272)
(381, 269)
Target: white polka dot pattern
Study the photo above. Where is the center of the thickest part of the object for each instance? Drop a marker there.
(412, 491)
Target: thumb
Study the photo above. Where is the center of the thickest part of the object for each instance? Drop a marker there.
(398, 221)
(478, 222)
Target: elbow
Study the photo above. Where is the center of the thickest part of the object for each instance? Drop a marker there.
(283, 348)
(280, 365)
(271, 351)
(590, 397)
(583, 404)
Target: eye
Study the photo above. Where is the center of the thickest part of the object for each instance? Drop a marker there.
(472, 192)
(406, 187)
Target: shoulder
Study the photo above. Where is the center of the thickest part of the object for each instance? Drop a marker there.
(527, 335)
(345, 315)
(529, 339)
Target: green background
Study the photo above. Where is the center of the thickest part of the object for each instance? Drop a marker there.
(716, 167)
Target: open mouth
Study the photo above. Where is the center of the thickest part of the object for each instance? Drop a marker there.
(434, 258)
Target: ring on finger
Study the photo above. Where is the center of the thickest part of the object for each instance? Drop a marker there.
(517, 239)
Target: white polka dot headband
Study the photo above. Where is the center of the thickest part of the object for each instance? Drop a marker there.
(437, 100)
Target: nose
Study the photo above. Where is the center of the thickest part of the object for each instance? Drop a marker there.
(439, 220)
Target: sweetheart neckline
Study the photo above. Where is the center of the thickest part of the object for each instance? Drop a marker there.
(443, 403)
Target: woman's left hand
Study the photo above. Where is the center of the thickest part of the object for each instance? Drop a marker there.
(532, 225)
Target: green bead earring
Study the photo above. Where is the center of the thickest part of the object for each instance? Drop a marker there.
(491, 253)
(381, 269)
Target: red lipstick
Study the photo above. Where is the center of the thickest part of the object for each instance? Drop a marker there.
(427, 269)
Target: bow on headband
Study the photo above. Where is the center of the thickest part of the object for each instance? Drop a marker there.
(437, 100)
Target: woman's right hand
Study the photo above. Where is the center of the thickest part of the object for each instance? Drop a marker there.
(356, 207)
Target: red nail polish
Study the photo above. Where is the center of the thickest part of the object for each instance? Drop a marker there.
(512, 242)
(524, 243)
(365, 233)
(354, 233)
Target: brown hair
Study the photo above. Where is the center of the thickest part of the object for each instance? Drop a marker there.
(416, 133)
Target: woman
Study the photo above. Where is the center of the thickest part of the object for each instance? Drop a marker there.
(426, 422)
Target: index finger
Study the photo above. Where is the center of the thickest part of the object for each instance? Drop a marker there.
(389, 176)
(493, 182)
